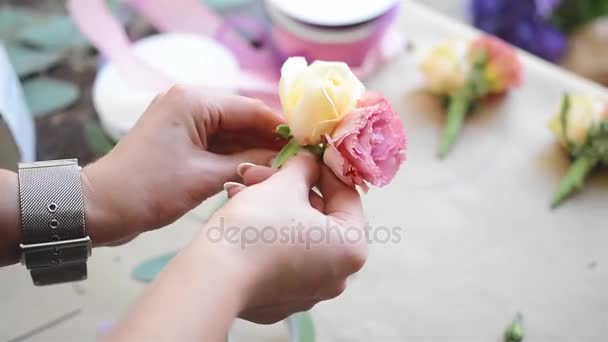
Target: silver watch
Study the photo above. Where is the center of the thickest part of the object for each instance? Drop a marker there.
(55, 244)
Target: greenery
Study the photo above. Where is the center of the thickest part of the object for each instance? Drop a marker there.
(572, 14)
(515, 330)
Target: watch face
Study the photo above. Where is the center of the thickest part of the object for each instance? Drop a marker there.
(334, 12)
(9, 154)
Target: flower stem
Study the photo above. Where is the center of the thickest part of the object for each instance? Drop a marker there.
(457, 111)
(574, 179)
(461, 103)
(286, 152)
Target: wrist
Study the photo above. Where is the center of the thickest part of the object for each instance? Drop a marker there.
(11, 217)
(102, 221)
(231, 262)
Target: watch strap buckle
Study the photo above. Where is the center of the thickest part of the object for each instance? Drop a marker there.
(55, 253)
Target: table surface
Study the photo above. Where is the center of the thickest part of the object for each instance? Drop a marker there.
(479, 244)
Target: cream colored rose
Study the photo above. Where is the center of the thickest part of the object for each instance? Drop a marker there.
(316, 97)
(583, 113)
(446, 67)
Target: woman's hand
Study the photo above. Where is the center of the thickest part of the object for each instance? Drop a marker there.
(238, 266)
(184, 147)
(296, 247)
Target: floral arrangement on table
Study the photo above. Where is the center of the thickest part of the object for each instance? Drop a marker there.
(465, 72)
(357, 133)
(541, 27)
(581, 127)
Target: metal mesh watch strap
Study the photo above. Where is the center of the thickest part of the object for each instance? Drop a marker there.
(55, 244)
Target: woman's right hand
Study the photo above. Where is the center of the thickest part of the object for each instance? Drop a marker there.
(293, 247)
(274, 249)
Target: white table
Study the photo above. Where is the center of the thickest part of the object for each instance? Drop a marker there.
(480, 242)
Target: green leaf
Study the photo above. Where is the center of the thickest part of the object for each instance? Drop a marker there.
(148, 270)
(97, 139)
(283, 131)
(27, 61)
(563, 118)
(13, 20)
(575, 178)
(477, 79)
(287, 152)
(57, 32)
(45, 95)
(515, 331)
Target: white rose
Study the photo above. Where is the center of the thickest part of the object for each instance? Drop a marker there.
(316, 97)
(583, 113)
(446, 67)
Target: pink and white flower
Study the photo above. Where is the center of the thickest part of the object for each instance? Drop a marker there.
(503, 70)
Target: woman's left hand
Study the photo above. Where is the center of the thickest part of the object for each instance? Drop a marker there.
(183, 149)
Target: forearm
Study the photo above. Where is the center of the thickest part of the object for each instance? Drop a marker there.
(196, 298)
(10, 227)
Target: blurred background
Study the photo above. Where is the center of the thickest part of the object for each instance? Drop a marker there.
(57, 66)
(47, 99)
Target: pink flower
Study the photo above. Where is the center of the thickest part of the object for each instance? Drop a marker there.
(604, 114)
(368, 145)
(503, 71)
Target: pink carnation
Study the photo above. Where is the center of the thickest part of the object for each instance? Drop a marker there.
(368, 144)
(604, 114)
(504, 71)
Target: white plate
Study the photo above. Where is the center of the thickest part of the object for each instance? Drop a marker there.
(333, 12)
(186, 58)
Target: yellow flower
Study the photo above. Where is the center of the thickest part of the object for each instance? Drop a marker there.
(446, 67)
(316, 97)
(583, 113)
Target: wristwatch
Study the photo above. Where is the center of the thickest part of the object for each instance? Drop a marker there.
(55, 244)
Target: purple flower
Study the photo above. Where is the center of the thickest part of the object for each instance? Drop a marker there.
(546, 7)
(523, 23)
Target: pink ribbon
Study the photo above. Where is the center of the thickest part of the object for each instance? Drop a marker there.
(260, 67)
(105, 33)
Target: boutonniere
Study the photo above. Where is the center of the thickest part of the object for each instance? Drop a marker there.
(464, 72)
(357, 133)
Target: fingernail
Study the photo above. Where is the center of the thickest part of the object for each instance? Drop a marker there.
(242, 168)
(232, 185)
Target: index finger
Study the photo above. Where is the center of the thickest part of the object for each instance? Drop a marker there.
(298, 175)
(238, 113)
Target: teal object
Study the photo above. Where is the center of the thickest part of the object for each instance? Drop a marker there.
(45, 95)
(28, 61)
(13, 20)
(55, 33)
(301, 327)
(149, 269)
(224, 4)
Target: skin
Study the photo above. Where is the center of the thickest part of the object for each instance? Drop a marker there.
(185, 148)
